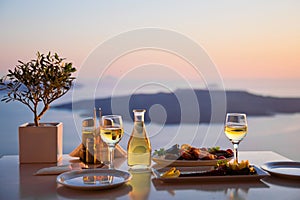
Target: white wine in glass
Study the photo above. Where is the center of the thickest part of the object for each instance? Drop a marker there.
(236, 129)
(111, 132)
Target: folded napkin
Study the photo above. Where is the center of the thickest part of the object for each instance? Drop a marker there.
(55, 170)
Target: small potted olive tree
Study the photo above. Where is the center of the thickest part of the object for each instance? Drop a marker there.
(37, 84)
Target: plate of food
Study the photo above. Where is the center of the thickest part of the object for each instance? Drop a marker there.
(223, 171)
(189, 156)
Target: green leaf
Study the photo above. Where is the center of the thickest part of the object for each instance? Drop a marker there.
(41, 80)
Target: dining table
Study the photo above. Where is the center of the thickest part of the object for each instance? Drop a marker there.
(18, 181)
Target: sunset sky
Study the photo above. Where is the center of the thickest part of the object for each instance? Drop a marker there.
(245, 39)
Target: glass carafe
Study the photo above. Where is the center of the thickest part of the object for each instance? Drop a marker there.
(139, 148)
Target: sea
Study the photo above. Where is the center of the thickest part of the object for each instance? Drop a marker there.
(279, 133)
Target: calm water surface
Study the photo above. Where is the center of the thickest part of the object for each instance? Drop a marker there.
(279, 133)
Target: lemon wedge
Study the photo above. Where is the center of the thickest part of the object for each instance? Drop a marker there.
(238, 166)
(244, 164)
(171, 173)
(186, 147)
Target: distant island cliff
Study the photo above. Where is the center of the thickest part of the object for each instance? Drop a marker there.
(235, 101)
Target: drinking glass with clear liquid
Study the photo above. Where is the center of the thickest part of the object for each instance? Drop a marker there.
(111, 132)
(236, 129)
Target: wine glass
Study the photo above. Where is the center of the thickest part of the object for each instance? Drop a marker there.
(236, 129)
(111, 132)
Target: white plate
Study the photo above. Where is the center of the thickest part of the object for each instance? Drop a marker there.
(286, 169)
(203, 179)
(93, 179)
(160, 160)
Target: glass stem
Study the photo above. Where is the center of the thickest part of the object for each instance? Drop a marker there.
(111, 157)
(235, 151)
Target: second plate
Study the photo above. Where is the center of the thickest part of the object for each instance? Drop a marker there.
(285, 169)
(185, 163)
(256, 177)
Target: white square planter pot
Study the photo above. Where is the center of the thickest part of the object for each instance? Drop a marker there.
(41, 144)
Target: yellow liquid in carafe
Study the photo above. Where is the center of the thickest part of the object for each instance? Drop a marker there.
(139, 148)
